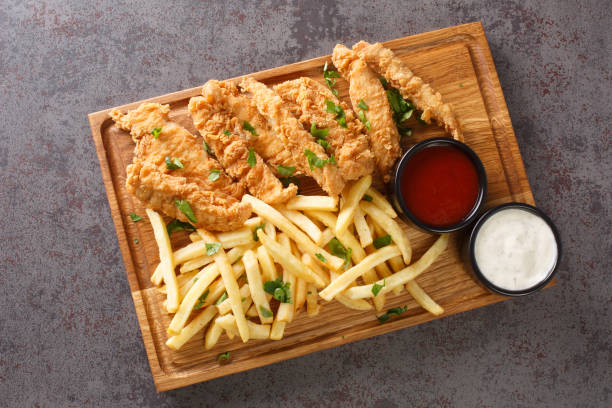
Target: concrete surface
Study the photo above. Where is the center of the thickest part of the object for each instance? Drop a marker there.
(69, 335)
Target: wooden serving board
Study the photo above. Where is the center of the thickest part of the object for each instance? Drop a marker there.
(457, 62)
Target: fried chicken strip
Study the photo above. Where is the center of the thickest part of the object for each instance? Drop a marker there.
(306, 99)
(214, 202)
(228, 141)
(364, 84)
(411, 87)
(293, 136)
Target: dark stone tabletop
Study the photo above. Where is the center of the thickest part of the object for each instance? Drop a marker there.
(68, 331)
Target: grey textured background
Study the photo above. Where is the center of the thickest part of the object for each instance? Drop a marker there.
(69, 335)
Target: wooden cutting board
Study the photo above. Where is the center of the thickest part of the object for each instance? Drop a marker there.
(457, 62)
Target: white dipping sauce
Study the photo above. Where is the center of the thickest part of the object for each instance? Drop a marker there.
(515, 249)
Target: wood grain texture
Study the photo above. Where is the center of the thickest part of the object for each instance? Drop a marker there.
(457, 62)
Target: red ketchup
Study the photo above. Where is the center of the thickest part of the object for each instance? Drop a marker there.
(440, 185)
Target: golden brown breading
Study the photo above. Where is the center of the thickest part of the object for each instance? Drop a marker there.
(293, 136)
(149, 167)
(421, 94)
(306, 99)
(364, 84)
(232, 149)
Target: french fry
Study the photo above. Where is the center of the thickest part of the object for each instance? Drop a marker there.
(383, 271)
(270, 230)
(231, 285)
(197, 324)
(309, 262)
(405, 275)
(300, 293)
(256, 331)
(312, 306)
(253, 222)
(256, 287)
(391, 227)
(326, 236)
(225, 307)
(212, 335)
(343, 281)
(278, 329)
(194, 236)
(288, 261)
(268, 269)
(356, 304)
(272, 215)
(286, 311)
(214, 293)
(304, 223)
(321, 203)
(230, 239)
(381, 202)
(351, 201)
(397, 264)
(423, 298)
(252, 312)
(195, 263)
(361, 226)
(166, 259)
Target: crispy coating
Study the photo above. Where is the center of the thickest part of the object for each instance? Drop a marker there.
(306, 99)
(233, 150)
(364, 84)
(293, 136)
(421, 94)
(157, 186)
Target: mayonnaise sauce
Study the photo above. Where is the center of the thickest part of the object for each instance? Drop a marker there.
(515, 249)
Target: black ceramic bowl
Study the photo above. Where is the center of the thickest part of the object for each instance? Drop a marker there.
(402, 208)
(472, 255)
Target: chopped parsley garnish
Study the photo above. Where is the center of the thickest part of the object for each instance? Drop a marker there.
(368, 197)
(265, 312)
(224, 358)
(288, 180)
(173, 163)
(460, 85)
(185, 208)
(340, 251)
(259, 227)
(402, 108)
(135, 240)
(382, 241)
(178, 225)
(201, 300)
(320, 257)
(396, 311)
(212, 248)
(221, 299)
(214, 174)
(330, 78)
(135, 217)
(206, 146)
(248, 127)
(331, 107)
(279, 290)
(362, 105)
(314, 160)
(383, 81)
(364, 120)
(155, 132)
(285, 171)
(320, 135)
(227, 132)
(195, 279)
(251, 160)
(376, 288)
(420, 119)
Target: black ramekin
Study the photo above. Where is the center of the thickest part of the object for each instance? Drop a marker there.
(472, 256)
(398, 199)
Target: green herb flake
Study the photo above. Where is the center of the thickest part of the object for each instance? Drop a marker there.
(331, 107)
(155, 132)
(224, 358)
(314, 160)
(309, 293)
(136, 240)
(368, 197)
(221, 299)
(364, 120)
(259, 227)
(376, 287)
(135, 217)
(212, 248)
(340, 251)
(320, 257)
(318, 133)
(201, 300)
(227, 132)
(177, 225)
(382, 241)
(185, 208)
(206, 146)
(383, 81)
(195, 280)
(249, 128)
(289, 180)
(421, 120)
(251, 160)
(285, 171)
(173, 163)
(265, 312)
(396, 311)
(330, 78)
(279, 290)
(460, 85)
(362, 105)
(214, 174)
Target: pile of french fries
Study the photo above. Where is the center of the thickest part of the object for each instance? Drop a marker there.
(253, 281)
